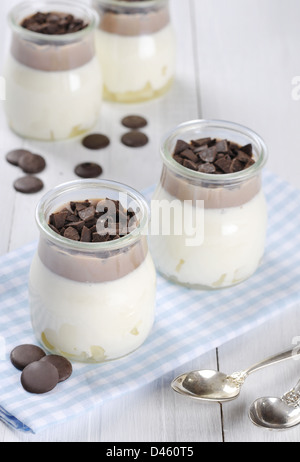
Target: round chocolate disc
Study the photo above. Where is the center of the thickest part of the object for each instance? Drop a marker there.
(96, 141)
(134, 122)
(13, 157)
(23, 355)
(135, 139)
(39, 377)
(28, 184)
(32, 163)
(62, 364)
(88, 170)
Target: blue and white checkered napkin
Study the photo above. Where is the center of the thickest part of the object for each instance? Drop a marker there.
(188, 324)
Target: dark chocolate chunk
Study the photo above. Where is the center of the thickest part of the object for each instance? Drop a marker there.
(247, 149)
(188, 154)
(71, 233)
(134, 122)
(236, 166)
(86, 235)
(32, 163)
(181, 146)
(207, 168)
(87, 213)
(222, 146)
(224, 164)
(135, 139)
(190, 165)
(39, 377)
(63, 366)
(88, 170)
(58, 219)
(208, 155)
(95, 141)
(23, 355)
(14, 156)
(28, 185)
(243, 157)
(201, 142)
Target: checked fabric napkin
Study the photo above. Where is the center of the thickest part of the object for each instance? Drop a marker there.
(188, 323)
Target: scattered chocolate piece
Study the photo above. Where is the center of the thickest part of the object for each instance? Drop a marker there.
(13, 157)
(96, 141)
(135, 139)
(134, 122)
(23, 355)
(28, 184)
(213, 156)
(39, 377)
(88, 170)
(93, 221)
(62, 364)
(32, 163)
(53, 23)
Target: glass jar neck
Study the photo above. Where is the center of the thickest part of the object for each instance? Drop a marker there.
(92, 262)
(217, 191)
(132, 18)
(52, 52)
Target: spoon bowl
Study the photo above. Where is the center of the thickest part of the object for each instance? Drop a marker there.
(206, 385)
(274, 414)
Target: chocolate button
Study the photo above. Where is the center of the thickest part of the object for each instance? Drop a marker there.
(39, 377)
(88, 170)
(28, 184)
(63, 366)
(13, 157)
(25, 354)
(95, 141)
(134, 122)
(32, 163)
(134, 139)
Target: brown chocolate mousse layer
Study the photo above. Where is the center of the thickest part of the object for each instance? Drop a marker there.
(216, 159)
(94, 222)
(132, 21)
(42, 53)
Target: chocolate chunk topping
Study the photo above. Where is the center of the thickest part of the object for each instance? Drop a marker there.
(134, 139)
(93, 221)
(32, 163)
(13, 157)
(53, 23)
(213, 156)
(134, 122)
(39, 377)
(96, 141)
(88, 170)
(63, 366)
(23, 355)
(28, 184)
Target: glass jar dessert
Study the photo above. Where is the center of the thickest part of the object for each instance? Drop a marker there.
(211, 190)
(53, 77)
(92, 285)
(136, 48)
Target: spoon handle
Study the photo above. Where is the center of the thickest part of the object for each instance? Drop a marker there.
(293, 353)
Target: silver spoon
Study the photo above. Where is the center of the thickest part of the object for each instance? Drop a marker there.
(277, 413)
(210, 385)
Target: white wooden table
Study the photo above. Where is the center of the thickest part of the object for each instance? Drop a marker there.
(236, 61)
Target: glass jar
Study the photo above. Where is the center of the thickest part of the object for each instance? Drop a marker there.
(136, 48)
(217, 223)
(92, 302)
(53, 82)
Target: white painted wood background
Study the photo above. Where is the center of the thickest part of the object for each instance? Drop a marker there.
(236, 61)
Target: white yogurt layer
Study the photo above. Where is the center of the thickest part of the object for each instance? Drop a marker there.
(52, 105)
(232, 248)
(92, 322)
(138, 64)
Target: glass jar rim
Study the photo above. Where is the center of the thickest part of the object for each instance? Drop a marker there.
(117, 244)
(93, 21)
(138, 5)
(228, 178)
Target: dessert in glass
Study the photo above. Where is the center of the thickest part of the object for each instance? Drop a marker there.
(135, 44)
(211, 191)
(53, 77)
(92, 281)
